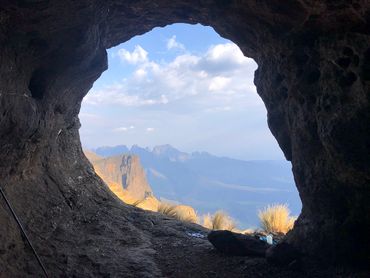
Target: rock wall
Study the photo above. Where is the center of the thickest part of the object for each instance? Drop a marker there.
(124, 171)
(313, 76)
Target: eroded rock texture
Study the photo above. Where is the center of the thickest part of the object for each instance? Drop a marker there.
(313, 76)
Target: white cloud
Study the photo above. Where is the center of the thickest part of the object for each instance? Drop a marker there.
(220, 77)
(173, 44)
(140, 74)
(139, 55)
(124, 128)
(120, 129)
(226, 59)
(227, 51)
(195, 101)
(218, 83)
(117, 96)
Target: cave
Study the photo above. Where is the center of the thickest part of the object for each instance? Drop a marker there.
(313, 76)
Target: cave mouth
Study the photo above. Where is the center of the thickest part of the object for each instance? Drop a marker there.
(184, 87)
(312, 77)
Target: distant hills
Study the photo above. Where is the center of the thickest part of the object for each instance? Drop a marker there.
(208, 183)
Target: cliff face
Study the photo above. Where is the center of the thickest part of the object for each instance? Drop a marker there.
(313, 77)
(133, 177)
(123, 174)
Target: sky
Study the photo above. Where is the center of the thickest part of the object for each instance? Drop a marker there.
(182, 85)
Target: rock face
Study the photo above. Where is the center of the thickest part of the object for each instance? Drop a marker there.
(313, 76)
(133, 177)
(122, 173)
(234, 244)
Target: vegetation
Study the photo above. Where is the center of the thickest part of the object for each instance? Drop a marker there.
(219, 221)
(167, 209)
(276, 219)
(180, 212)
(206, 221)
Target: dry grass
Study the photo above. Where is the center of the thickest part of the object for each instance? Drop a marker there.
(180, 212)
(186, 213)
(137, 202)
(222, 221)
(276, 219)
(148, 203)
(167, 209)
(206, 221)
(219, 221)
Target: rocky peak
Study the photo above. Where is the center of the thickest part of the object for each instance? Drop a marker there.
(170, 152)
(133, 177)
(123, 174)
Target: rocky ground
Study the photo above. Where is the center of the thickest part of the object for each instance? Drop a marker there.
(171, 248)
(182, 251)
(313, 76)
(119, 240)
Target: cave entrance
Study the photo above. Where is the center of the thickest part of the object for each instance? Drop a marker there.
(182, 99)
(313, 77)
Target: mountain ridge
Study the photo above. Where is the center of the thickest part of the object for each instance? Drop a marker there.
(209, 182)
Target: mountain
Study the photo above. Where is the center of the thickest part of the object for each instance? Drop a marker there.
(91, 156)
(208, 183)
(111, 151)
(123, 174)
(169, 152)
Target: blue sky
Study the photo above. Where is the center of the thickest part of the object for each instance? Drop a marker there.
(183, 85)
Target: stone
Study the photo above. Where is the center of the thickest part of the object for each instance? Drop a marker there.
(123, 174)
(317, 102)
(282, 254)
(234, 244)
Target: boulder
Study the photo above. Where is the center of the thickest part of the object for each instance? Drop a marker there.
(282, 254)
(234, 244)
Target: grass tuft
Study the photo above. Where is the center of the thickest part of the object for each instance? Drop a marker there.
(167, 209)
(180, 212)
(218, 221)
(276, 219)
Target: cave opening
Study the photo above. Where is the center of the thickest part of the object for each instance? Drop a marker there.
(312, 76)
(182, 99)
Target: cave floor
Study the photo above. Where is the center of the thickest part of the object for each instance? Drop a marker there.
(117, 240)
(182, 250)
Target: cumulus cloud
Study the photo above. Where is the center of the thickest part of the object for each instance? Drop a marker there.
(173, 44)
(139, 55)
(220, 77)
(194, 100)
(226, 59)
(117, 96)
(218, 83)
